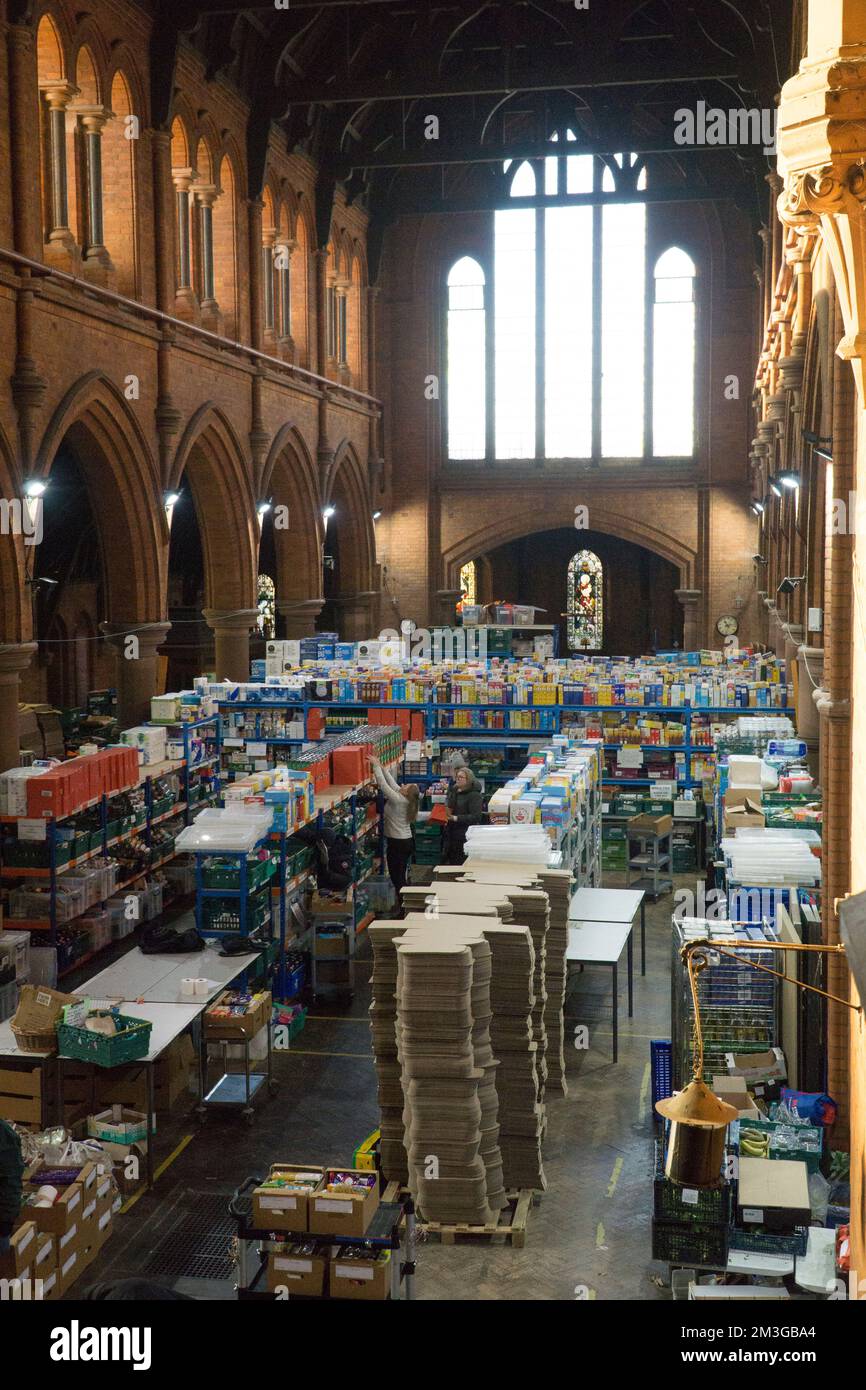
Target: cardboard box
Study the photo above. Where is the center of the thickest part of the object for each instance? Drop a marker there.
(300, 1275)
(773, 1193)
(50, 1285)
(732, 1090)
(274, 1210)
(65, 1245)
(742, 808)
(68, 1269)
(368, 1278)
(343, 1214)
(65, 1213)
(240, 1025)
(118, 1125)
(45, 1261)
(329, 947)
(23, 1244)
(763, 1072)
(650, 825)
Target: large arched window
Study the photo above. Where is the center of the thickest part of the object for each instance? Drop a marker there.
(467, 353)
(569, 361)
(674, 355)
(585, 602)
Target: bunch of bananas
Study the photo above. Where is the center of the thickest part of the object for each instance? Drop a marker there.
(754, 1143)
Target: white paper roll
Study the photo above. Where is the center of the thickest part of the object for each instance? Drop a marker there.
(187, 987)
(46, 1197)
(202, 987)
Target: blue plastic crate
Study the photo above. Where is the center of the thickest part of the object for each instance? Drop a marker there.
(661, 1064)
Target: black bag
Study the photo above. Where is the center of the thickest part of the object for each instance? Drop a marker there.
(335, 861)
(162, 939)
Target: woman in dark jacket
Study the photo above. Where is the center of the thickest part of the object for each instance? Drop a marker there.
(465, 808)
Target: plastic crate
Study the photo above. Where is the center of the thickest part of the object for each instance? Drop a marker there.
(227, 874)
(8, 1000)
(768, 1242)
(661, 1067)
(688, 1243)
(127, 1046)
(709, 1206)
(224, 914)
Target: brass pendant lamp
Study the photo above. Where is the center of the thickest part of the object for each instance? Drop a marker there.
(698, 1117)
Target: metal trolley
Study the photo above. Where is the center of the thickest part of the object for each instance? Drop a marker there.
(393, 1228)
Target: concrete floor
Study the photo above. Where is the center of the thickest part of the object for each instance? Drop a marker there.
(588, 1236)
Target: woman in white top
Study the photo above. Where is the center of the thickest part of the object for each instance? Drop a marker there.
(401, 812)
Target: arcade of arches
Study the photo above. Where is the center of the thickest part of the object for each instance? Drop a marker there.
(237, 348)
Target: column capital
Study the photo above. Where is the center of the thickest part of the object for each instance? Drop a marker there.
(93, 118)
(205, 193)
(688, 597)
(15, 657)
(183, 179)
(239, 620)
(149, 636)
(302, 607)
(58, 94)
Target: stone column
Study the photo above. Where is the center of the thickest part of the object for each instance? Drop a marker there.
(446, 606)
(93, 121)
(58, 96)
(231, 632)
(254, 225)
(283, 265)
(689, 599)
(324, 450)
(205, 197)
(186, 302)
(810, 668)
(136, 646)
(299, 616)
(15, 657)
(267, 259)
(794, 635)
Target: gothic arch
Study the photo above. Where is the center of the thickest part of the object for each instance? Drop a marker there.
(210, 458)
(347, 490)
(289, 479)
(560, 514)
(121, 478)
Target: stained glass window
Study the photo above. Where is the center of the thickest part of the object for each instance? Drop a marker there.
(585, 602)
(267, 619)
(467, 582)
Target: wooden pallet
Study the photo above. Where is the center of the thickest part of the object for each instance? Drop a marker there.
(501, 1232)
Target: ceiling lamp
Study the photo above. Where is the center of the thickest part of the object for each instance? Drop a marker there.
(790, 478)
(696, 1144)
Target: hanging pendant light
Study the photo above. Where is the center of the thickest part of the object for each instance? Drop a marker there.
(696, 1144)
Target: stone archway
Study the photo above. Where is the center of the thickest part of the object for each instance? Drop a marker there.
(289, 482)
(356, 591)
(211, 461)
(94, 423)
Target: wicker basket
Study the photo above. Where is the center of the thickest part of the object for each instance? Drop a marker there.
(35, 1022)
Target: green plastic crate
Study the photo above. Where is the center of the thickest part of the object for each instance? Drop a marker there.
(226, 874)
(127, 1046)
(688, 1243)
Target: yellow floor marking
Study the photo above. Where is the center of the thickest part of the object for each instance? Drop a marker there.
(307, 1052)
(614, 1177)
(166, 1163)
(599, 1237)
(644, 1091)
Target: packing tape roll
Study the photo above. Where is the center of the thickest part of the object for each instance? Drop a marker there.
(202, 987)
(188, 987)
(46, 1197)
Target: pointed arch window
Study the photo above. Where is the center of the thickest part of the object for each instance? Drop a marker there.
(467, 366)
(469, 583)
(576, 360)
(585, 602)
(674, 355)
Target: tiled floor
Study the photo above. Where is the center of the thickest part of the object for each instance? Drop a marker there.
(588, 1235)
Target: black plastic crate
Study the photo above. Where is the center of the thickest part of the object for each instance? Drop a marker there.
(760, 1242)
(688, 1243)
(706, 1205)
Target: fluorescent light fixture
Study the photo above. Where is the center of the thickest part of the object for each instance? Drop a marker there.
(35, 487)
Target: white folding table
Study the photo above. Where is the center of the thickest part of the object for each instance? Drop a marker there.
(601, 943)
(611, 905)
(159, 979)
